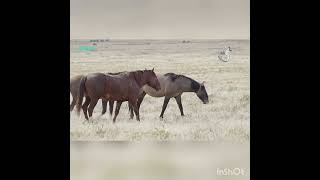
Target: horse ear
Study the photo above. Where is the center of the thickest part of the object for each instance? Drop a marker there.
(202, 84)
(152, 69)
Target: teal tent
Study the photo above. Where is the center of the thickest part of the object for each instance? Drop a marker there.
(87, 48)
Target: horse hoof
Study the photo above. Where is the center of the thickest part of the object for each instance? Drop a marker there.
(90, 119)
(95, 122)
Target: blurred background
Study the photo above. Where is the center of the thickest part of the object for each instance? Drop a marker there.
(160, 19)
(155, 161)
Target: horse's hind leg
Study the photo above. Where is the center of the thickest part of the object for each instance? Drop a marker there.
(73, 103)
(164, 106)
(178, 99)
(117, 110)
(93, 104)
(85, 107)
(136, 111)
(104, 106)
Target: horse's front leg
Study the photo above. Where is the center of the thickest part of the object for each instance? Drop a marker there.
(140, 99)
(111, 107)
(131, 110)
(178, 99)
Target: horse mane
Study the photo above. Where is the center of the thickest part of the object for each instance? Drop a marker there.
(137, 76)
(194, 84)
(173, 76)
(117, 73)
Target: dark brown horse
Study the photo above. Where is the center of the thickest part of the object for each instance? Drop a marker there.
(121, 87)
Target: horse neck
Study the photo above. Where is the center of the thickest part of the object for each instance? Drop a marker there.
(138, 77)
(189, 85)
(142, 83)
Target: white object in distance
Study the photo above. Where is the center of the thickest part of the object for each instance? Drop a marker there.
(225, 55)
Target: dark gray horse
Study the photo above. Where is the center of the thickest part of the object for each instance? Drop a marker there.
(173, 85)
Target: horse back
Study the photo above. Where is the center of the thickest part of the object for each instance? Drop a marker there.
(95, 84)
(119, 86)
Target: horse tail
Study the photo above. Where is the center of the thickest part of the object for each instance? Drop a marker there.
(81, 93)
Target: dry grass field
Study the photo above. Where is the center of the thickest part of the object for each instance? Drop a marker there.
(224, 119)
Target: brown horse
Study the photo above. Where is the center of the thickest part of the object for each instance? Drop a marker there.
(74, 87)
(173, 85)
(121, 87)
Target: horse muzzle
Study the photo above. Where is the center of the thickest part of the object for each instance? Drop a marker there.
(206, 102)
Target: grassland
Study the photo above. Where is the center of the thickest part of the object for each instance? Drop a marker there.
(224, 119)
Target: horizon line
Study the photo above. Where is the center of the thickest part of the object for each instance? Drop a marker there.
(161, 39)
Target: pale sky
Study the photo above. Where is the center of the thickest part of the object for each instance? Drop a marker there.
(160, 19)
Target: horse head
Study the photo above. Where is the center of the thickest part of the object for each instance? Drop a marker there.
(202, 93)
(151, 79)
